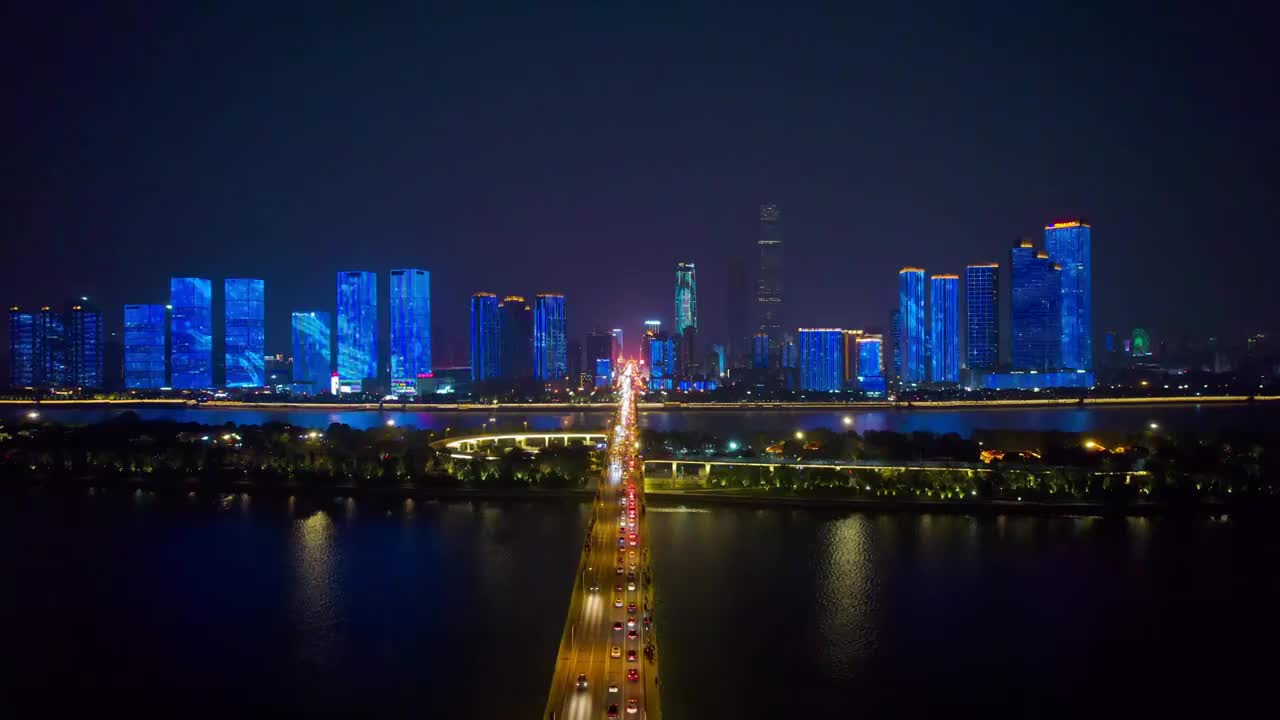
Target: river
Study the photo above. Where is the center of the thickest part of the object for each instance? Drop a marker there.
(959, 420)
(205, 605)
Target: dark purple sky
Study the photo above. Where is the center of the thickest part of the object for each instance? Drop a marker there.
(587, 152)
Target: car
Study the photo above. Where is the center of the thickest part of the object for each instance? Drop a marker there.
(582, 681)
(631, 656)
(616, 651)
(631, 621)
(613, 687)
(633, 635)
(617, 626)
(633, 706)
(631, 608)
(621, 542)
(633, 674)
(613, 711)
(595, 587)
(617, 601)
(631, 585)
(619, 569)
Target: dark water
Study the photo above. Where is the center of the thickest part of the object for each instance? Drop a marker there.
(182, 607)
(802, 614)
(964, 421)
(203, 607)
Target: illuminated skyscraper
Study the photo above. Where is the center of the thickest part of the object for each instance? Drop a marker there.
(911, 310)
(357, 329)
(686, 298)
(22, 348)
(410, 329)
(760, 351)
(486, 337)
(895, 339)
(516, 325)
(821, 359)
(660, 352)
(870, 364)
(851, 357)
(599, 363)
(982, 316)
(944, 325)
(245, 332)
(84, 349)
(1036, 309)
(769, 281)
(312, 365)
(550, 339)
(144, 352)
(618, 350)
(1067, 244)
(191, 333)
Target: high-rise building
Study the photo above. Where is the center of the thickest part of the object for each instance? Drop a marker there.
(191, 333)
(599, 347)
(245, 332)
(870, 355)
(515, 319)
(144, 351)
(84, 337)
(895, 338)
(660, 354)
(821, 359)
(911, 310)
(851, 357)
(312, 364)
(486, 337)
(769, 282)
(686, 298)
(1067, 244)
(982, 316)
(1036, 309)
(618, 349)
(53, 358)
(357, 329)
(22, 348)
(550, 339)
(944, 326)
(410, 329)
(760, 351)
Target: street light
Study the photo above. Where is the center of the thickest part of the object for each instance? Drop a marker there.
(799, 435)
(1154, 425)
(847, 420)
(391, 422)
(733, 446)
(32, 415)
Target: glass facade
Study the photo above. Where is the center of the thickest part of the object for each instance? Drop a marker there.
(22, 348)
(760, 351)
(357, 329)
(245, 332)
(144, 352)
(661, 359)
(1067, 244)
(944, 328)
(982, 316)
(84, 335)
(769, 280)
(312, 364)
(870, 355)
(550, 343)
(1035, 309)
(486, 337)
(686, 298)
(821, 359)
(191, 333)
(410, 328)
(895, 338)
(911, 312)
(53, 358)
(516, 325)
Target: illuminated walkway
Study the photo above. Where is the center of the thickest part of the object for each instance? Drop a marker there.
(465, 447)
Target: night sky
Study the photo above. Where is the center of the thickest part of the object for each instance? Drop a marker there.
(587, 152)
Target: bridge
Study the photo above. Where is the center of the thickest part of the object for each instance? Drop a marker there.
(466, 447)
(607, 663)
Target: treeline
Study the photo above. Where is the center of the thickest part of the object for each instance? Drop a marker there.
(273, 454)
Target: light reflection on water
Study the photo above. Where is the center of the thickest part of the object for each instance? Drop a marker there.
(315, 560)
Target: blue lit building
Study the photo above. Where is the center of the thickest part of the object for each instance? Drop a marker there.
(760, 351)
(1033, 380)
(869, 354)
(144, 351)
(22, 348)
(84, 338)
(1035, 309)
(895, 337)
(515, 319)
(600, 350)
(982, 316)
(486, 337)
(357, 329)
(410, 329)
(660, 354)
(686, 298)
(821, 359)
(245, 332)
(312, 363)
(191, 333)
(911, 312)
(944, 328)
(550, 341)
(1067, 244)
(53, 355)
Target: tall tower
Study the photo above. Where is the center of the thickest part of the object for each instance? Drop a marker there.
(245, 332)
(1036, 309)
(191, 333)
(144, 352)
(944, 325)
(686, 298)
(911, 312)
(357, 329)
(821, 359)
(311, 364)
(22, 348)
(982, 316)
(515, 319)
(410, 329)
(550, 341)
(84, 338)
(486, 337)
(769, 282)
(1067, 244)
